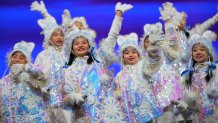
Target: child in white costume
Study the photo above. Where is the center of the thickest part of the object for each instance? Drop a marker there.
(76, 23)
(52, 58)
(166, 79)
(134, 87)
(20, 96)
(86, 80)
(200, 96)
(179, 20)
(168, 86)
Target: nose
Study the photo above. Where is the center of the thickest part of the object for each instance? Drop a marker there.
(60, 37)
(131, 55)
(198, 53)
(81, 46)
(16, 60)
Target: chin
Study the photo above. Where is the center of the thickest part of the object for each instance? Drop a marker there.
(200, 61)
(132, 63)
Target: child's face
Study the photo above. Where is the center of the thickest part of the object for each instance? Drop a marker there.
(130, 56)
(18, 58)
(80, 47)
(57, 38)
(199, 53)
(79, 25)
(146, 43)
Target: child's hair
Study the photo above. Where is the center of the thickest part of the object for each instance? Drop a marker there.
(73, 57)
(209, 73)
(187, 34)
(146, 37)
(207, 77)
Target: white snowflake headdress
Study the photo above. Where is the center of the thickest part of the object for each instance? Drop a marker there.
(205, 39)
(130, 40)
(81, 20)
(151, 30)
(88, 34)
(48, 25)
(25, 47)
(69, 23)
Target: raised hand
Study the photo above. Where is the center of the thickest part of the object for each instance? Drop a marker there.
(123, 7)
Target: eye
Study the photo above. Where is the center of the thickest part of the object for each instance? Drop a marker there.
(134, 52)
(76, 43)
(202, 49)
(126, 53)
(14, 56)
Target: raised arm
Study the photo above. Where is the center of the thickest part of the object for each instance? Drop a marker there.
(36, 6)
(107, 45)
(201, 28)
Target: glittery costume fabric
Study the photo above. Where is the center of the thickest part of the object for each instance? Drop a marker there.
(53, 60)
(101, 104)
(205, 106)
(138, 101)
(21, 101)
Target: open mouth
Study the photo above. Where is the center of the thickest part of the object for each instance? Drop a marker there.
(131, 59)
(199, 57)
(59, 42)
(81, 49)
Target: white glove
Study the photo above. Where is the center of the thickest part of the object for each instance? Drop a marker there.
(77, 98)
(44, 90)
(24, 77)
(66, 18)
(167, 11)
(212, 90)
(182, 105)
(123, 7)
(80, 98)
(38, 7)
(17, 69)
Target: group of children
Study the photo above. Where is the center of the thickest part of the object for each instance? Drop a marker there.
(171, 76)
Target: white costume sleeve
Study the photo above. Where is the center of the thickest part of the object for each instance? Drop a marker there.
(107, 45)
(201, 28)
